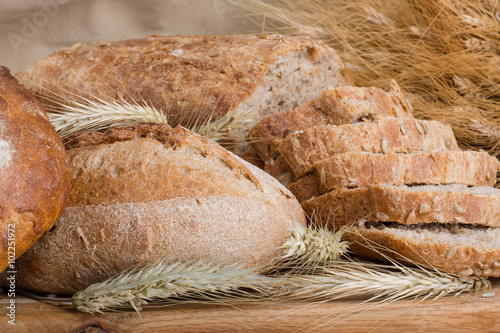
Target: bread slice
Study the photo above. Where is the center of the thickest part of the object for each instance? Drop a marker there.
(363, 169)
(342, 105)
(303, 149)
(193, 78)
(408, 205)
(306, 187)
(454, 248)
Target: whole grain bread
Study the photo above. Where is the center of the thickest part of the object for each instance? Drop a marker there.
(454, 248)
(338, 106)
(303, 149)
(34, 173)
(357, 169)
(193, 78)
(148, 192)
(407, 205)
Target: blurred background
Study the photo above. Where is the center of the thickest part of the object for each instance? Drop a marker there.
(31, 29)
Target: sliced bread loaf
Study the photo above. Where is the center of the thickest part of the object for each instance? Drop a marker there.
(407, 205)
(454, 248)
(357, 169)
(342, 105)
(303, 149)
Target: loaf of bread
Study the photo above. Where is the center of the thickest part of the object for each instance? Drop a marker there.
(193, 79)
(34, 173)
(151, 191)
(357, 159)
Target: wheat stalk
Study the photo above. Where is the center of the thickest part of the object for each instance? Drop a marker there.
(160, 282)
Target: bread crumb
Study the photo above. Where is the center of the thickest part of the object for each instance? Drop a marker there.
(489, 294)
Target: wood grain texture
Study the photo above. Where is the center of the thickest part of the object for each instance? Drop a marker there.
(467, 312)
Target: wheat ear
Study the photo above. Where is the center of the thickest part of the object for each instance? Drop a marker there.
(385, 282)
(314, 244)
(85, 115)
(159, 282)
(78, 115)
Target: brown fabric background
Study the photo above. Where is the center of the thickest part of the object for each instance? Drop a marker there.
(31, 29)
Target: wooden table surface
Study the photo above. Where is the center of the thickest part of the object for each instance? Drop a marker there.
(465, 313)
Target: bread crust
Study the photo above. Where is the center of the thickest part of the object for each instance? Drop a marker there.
(463, 259)
(302, 150)
(34, 173)
(405, 205)
(154, 192)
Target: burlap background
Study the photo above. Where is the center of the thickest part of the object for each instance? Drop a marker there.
(31, 29)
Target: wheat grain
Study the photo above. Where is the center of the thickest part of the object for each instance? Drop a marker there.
(382, 282)
(160, 282)
(314, 245)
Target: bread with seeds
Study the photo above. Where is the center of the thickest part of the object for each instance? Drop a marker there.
(193, 79)
(151, 191)
(408, 205)
(454, 248)
(342, 105)
(357, 169)
(302, 150)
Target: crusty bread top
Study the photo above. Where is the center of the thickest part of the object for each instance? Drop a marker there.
(34, 174)
(197, 166)
(337, 106)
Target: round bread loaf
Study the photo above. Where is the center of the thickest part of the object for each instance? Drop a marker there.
(34, 173)
(151, 191)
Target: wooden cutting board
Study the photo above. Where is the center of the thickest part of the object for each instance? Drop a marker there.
(464, 313)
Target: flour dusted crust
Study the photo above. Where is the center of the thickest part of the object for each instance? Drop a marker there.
(192, 78)
(148, 192)
(34, 174)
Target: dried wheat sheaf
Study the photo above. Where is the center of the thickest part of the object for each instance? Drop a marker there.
(445, 54)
